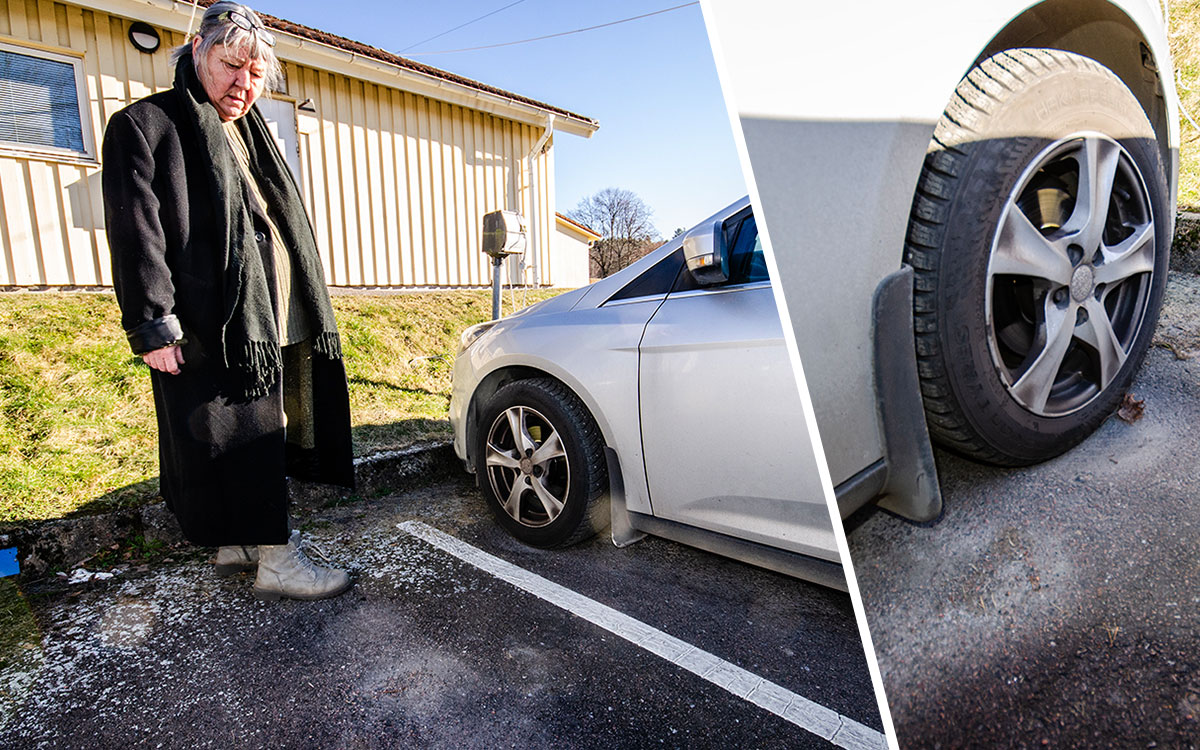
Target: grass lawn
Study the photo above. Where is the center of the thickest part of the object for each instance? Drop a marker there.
(77, 429)
(1184, 36)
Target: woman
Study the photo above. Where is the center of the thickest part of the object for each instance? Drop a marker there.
(222, 293)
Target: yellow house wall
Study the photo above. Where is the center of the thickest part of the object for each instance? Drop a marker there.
(396, 184)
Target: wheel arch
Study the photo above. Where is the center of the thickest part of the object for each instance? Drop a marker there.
(502, 376)
(1106, 33)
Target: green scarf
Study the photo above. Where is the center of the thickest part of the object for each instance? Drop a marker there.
(249, 336)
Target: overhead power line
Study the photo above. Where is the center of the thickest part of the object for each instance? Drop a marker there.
(561, 33)
(461, 25)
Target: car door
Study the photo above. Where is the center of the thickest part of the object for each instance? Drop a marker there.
(723, 435)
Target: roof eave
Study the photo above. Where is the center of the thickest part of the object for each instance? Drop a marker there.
(174, 15)
(327, 57)
(576, 227)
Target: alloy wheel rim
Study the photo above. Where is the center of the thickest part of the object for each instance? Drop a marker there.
(527, 466)
(1069, 274)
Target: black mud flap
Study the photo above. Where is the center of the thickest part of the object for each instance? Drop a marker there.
(910, 489)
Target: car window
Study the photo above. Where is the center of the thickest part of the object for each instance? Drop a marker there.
(655, 280)
(746, 260)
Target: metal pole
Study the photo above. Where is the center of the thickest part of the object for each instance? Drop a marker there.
(496, 261)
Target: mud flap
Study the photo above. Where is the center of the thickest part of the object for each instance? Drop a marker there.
(911, 487)
(621, 523)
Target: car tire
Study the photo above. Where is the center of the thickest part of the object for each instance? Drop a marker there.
(1034, 304)
(539, 457)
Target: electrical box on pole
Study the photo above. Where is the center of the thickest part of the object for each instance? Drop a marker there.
(504, 234)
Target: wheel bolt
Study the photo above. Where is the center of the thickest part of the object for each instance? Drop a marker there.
(1081, 316)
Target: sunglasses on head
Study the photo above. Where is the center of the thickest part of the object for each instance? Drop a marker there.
(242, 21)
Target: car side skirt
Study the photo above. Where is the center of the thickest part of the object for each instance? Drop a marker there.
(861, 488)
(823, 572)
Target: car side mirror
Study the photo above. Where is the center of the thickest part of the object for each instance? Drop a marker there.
(705, 252)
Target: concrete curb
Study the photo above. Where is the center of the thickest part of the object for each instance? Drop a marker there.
(1185, 246)
(43, 546)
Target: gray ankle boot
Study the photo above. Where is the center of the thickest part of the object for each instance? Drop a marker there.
(241, 558)
(236, 559)
(285, 571)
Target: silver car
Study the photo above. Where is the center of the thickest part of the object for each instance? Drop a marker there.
(659, 400)
(971, 208)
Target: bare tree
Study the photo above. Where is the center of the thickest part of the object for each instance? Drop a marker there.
(624, 222)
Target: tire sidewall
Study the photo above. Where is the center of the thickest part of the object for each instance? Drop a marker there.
(533, 395)
(1047, 110)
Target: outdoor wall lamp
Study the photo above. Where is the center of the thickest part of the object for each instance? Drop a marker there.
(307, 106)
(144, 37)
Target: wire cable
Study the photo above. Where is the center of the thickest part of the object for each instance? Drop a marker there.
(552, 36)
(461, 25)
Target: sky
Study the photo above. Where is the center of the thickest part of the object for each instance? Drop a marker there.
(650, 83)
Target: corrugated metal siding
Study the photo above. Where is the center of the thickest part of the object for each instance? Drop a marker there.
(396, 184)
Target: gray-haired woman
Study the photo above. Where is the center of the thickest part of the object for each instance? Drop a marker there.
(222, 294)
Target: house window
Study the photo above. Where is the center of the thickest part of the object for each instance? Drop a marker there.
(41, 107)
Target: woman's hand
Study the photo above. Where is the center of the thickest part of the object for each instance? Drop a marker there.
(168, 359)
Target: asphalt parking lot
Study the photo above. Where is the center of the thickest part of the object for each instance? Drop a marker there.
(654, 645)
(1055, 605)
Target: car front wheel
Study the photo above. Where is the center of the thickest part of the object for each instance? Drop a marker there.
(1039, 236)
(540, 462)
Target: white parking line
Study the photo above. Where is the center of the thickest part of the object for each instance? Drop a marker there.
(804, 713)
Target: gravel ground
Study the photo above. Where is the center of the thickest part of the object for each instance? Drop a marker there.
(426, 651)
(1055, 605)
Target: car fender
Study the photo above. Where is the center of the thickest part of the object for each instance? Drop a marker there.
(606, 384)
(907, 56)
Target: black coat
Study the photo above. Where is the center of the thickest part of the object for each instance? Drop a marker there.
(222, 460)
